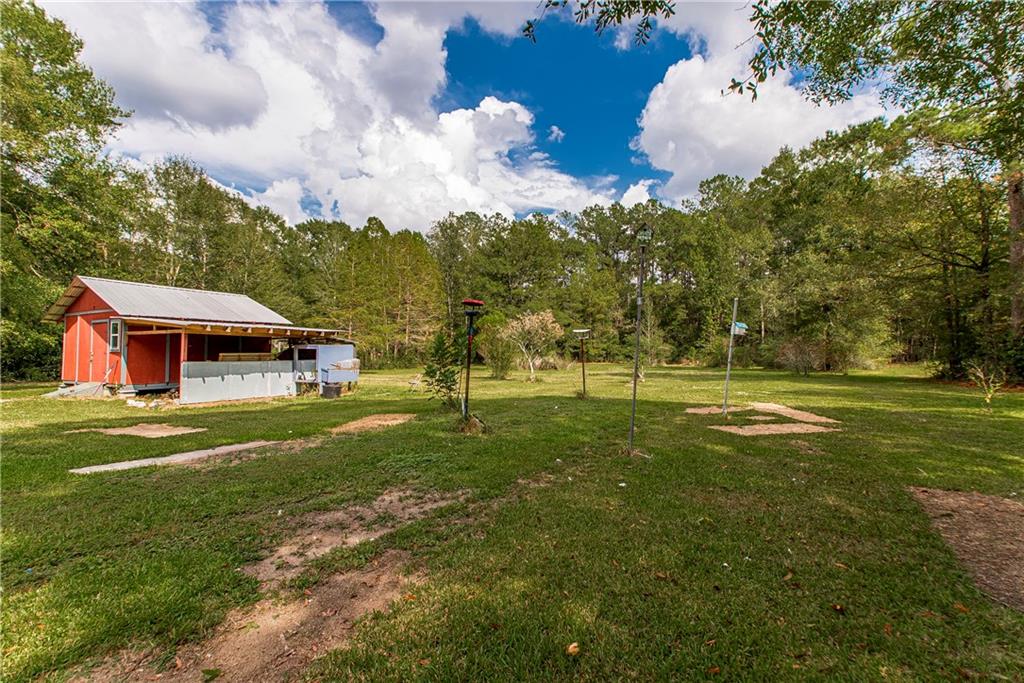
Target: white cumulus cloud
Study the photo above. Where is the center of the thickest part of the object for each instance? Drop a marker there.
(280, 96)
(689, 128)
(166, 63)
(637, 193)
(284, 197)
(555, 134)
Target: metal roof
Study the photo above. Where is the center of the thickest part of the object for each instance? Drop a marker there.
(137, 299)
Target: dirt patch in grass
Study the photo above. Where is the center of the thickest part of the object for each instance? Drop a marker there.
(767, 429)
(369, 422)
(538, 481)
(149, 431)
(791, 413)
(321, 532)
(275, 641)
(806, 448)
(715, 410)
(987, 535)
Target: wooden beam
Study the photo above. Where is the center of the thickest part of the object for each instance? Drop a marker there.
(169, 330)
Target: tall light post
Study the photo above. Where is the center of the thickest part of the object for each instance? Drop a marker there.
(583, 334)
(643, 237)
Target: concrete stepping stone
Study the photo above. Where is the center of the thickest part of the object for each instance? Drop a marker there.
(175, 459)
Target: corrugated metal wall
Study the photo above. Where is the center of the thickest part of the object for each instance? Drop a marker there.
(202, 382)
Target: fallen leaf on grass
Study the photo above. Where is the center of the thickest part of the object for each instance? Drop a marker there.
(714, 670)
(424, 662)
(960, 607)
(788, 576)
(710, 643)
(573, 649)
(841, 565)
(888, 629)
(839, 609)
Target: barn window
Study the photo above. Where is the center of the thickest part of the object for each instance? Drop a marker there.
(114, 335)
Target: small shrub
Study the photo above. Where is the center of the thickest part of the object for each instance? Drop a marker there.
(444, 370)
(799, 355)
(533, 333)
(553, 362)
(499, 352)
(744, 354)
(989, 378)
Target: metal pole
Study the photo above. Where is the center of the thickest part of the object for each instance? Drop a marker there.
(636, 352)
(583, 358)
(469, 359)
(728, 362)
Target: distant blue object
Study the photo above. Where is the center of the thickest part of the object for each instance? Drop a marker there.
(739, 329)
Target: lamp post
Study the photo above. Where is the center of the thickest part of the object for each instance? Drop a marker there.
(472, 312)
(643, 237)
(583, 335)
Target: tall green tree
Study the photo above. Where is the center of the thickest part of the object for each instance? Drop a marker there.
(454, 242)
(63, 205)
(964, 60)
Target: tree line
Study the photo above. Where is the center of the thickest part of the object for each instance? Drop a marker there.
(880, 242)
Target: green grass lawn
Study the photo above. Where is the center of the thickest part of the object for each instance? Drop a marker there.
(718, 554)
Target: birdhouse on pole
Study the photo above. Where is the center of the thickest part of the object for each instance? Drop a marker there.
(583, 334)
(473, 311)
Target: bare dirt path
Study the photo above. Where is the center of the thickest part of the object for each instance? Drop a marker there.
(987, 535)
(277, 638)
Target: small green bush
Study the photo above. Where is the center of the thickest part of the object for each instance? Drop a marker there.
(444, 369)
(498, 351)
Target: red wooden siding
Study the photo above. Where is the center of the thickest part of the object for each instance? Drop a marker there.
(86, 354)
(147, 358)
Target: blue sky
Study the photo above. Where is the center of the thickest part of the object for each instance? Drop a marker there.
(408, 111)
(582, 83)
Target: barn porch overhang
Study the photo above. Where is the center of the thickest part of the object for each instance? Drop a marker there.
(232, 329)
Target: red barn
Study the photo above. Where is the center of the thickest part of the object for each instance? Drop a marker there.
(139, 337)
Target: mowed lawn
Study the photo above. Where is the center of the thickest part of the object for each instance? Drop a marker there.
(770, 557)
